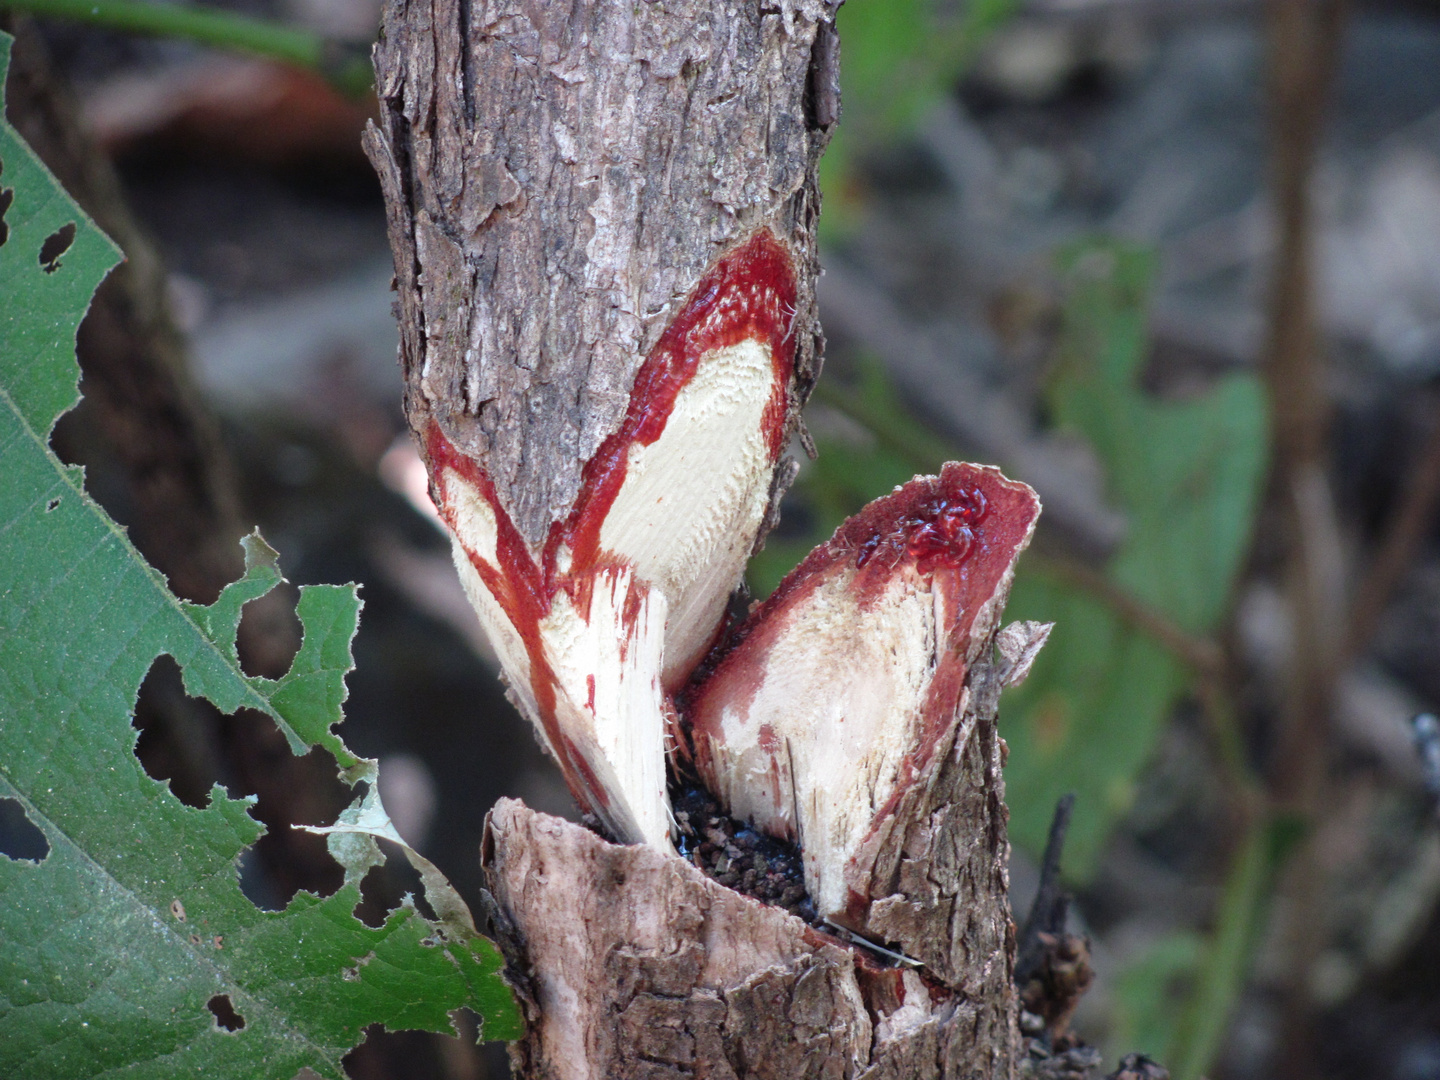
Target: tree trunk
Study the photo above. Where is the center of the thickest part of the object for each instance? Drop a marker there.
(557, 177)
(558, 180)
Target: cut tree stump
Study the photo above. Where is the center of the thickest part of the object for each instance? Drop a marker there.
(563, 183)
(635, 964)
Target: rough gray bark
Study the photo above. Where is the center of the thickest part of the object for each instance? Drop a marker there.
(558, 177)
(940, 887)
(557, 180)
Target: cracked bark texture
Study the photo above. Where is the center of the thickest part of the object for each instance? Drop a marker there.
(557, 178)
(633, 964)
(939, 887)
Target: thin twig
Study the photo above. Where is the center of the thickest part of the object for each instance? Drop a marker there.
(1051, 906)
(1246, 793)
(853, 938)
(1398, 549)
(1304, 41)
(1303, 47)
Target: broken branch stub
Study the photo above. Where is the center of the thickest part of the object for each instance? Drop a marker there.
(855, 718)
(638, 967)
(848, 678)
(635, 964)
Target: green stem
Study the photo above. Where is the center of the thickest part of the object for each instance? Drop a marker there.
(343, 66)
(1245, 787)
(1226, 965)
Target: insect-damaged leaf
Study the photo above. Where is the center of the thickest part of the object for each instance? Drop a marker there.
(128, 945)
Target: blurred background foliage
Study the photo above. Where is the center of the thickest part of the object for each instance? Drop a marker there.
(900, 58)
(1051, 236)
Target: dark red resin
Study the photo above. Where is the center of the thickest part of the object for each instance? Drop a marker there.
(969, 519)
(939, 531)
(748, 295)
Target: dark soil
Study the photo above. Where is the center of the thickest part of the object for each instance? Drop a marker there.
(737, 856)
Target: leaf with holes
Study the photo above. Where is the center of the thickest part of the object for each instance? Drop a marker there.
(126, 944)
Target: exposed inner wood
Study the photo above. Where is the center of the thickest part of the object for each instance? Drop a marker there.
(673, 501)
(850, 678)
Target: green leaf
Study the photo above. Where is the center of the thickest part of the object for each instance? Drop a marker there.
(1188, 476)
(113, 944)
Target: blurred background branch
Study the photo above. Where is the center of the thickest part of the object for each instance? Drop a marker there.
(345, 64)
